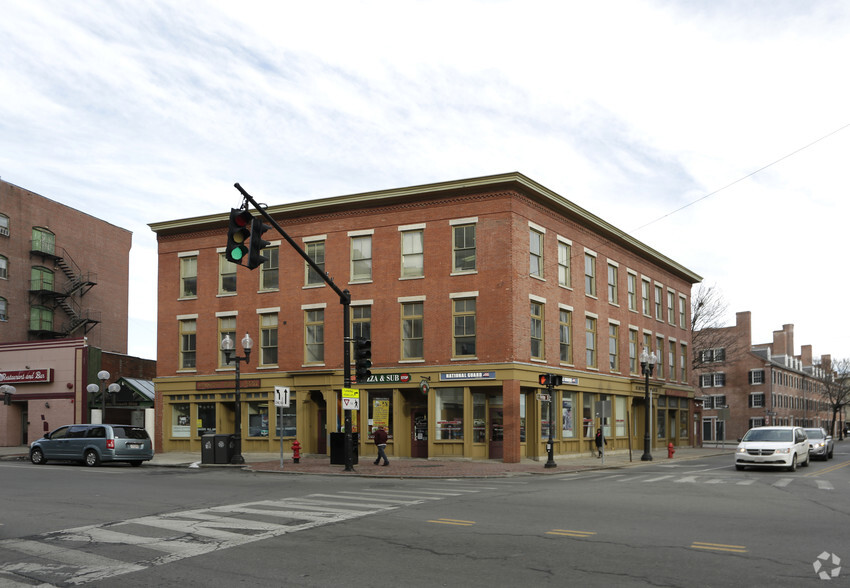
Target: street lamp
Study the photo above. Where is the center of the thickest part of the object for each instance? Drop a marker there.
(647, 364)
(227, 346)
(103, 376)
(8, 390)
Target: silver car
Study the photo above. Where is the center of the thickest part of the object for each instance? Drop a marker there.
(821, 444)
(93, 444)
(773, 447)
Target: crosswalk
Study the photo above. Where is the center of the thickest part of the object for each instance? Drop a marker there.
(712, 479)
(77, 556)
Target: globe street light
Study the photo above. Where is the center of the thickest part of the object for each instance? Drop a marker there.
(227, 347)
(103, 376)
(647, 364)
(7, 392)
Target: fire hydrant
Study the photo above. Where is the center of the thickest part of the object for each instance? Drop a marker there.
(296, 451)
(670, 450)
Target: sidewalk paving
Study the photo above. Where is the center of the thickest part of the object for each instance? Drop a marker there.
(420, 468)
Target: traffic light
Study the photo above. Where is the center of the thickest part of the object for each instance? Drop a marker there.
(363, 359)
(550, 380)
(257, 244)
(238, 232)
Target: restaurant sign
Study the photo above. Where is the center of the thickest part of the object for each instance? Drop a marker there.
(27, 376)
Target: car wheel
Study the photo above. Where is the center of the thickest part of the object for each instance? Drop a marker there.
(739, 467)
(92, 458)
(37, 456)
(806, 463)
(793, 466)
(135, 464)
(829, 455)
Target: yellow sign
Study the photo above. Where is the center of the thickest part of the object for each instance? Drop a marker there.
(381, 413)
(350, 393)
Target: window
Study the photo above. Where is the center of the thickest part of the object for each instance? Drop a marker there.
(535, 248)
(620, 416)
(613, 347)
(537, 349)
(189, 276)
(590, 341)
(361, 322)
(612, 283)
(756, 422)
(717, 355)
(463, 248)
(683, 303)
(226, 327)
(4, 268)
(412, 330)
(361, 258)
(3, 310)
(41, 279)
(756, 401)
(314, 335)
(316, 251)
(206, 418)
(268, 338)
(449, 413)
(683, 362)
(568, 406)
(41, 318)
(258, 419)
(632, 286)
(4, 225)
(286, 424)
(671, 307)
(756, 377)
(590, 274)
(43, 240)
(188, 329)
(270, 269)
(464, 327)
(564, 253)
(180, 426)
(659, 353)
(566, 335)
(412, 254)
(713, 380)
(226, 275)
(659, 312)
(644, 296)
(671, 358)
(634, 356)
(479, 417)
(381, 412)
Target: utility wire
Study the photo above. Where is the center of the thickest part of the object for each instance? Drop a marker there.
(749, 175)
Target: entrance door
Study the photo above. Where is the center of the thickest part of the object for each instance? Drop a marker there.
(497, 435)
(419, 432)
(322, 428)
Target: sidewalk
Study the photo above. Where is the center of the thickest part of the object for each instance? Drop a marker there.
(420, 468)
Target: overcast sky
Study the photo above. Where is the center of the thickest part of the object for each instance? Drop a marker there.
(139, 112)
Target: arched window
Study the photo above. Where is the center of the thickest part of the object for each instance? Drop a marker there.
(43, 240)
(41, 278)
(3, 309)
(41, 318)
(4, 268)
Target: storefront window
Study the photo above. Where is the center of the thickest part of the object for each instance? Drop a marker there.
(380, 413)
(479, 419)
(661, 423)
(606, 419)
(258, 419)
(449, 408)
(568, 425)
(180, 426)
(620, 416)
(286, 424)
(522, 418)
(545, 419)
(683, 424)
(206, 418)
(587, 416)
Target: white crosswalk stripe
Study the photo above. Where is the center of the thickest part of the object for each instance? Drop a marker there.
(706, 479)
(59, 558)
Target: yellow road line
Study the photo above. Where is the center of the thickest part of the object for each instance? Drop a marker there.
(719, 547)
(453, 522)
(569, 533)
(829, 469)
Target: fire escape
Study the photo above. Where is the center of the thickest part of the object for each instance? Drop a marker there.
(46, 291)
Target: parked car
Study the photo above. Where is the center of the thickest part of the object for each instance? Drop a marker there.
(93, 444)
(773, 447)
(821, 444)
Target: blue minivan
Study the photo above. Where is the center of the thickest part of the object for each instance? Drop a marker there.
(93, 444)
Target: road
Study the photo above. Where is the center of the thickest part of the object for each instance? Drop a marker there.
(690, 523)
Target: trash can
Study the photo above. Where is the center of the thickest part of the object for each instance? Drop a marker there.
(338, 448)
(207, 448)
(224, 446)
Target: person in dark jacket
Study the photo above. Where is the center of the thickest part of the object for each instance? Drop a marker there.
(599, 441)
(381, 443)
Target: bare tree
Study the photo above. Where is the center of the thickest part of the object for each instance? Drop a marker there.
(708, 331)
(834, 380)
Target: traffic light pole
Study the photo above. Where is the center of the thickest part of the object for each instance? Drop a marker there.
(344, 299)
(550, 463)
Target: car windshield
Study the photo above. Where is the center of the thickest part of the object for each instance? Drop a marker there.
(771, 435)
(814, 433)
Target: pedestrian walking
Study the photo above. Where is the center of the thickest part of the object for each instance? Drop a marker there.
(381, 444)
(600, 439)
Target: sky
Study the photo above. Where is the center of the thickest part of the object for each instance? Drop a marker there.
(716, 132)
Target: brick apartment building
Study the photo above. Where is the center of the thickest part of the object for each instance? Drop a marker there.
(751, 385)
(64, 284)
(468, 291)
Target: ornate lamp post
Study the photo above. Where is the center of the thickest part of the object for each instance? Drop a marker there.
(647, 364)
(103, 376)
(227, 346)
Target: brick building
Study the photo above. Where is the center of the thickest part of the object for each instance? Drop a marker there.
(758, 384)
(64, 285)
(468, 291)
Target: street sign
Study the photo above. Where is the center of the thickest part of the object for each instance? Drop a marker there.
(281, 396)
(544, 397)
(350, 393)
(350, 404)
